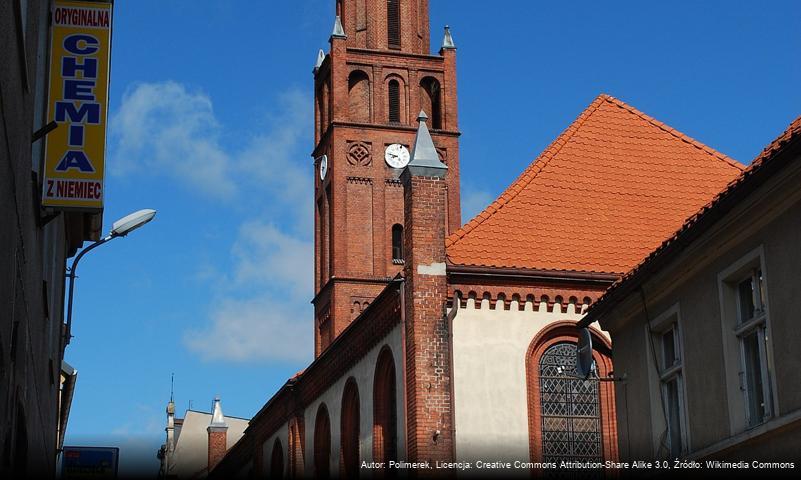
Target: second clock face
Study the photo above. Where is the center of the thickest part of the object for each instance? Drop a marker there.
(397, 156)
(323, 167)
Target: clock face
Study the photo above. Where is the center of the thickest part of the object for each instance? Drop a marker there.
(323, 167)
(397, 156)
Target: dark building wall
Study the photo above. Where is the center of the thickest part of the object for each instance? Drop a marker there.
(766, 223)
(33, 250)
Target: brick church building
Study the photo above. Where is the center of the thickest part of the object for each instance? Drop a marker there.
(437, 341)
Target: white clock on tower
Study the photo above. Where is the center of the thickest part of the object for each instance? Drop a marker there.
(397, 156)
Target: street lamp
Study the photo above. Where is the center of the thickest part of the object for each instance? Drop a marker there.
(120, 228)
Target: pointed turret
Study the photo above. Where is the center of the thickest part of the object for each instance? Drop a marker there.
(218, 432)
(425, 160)
(217, 417)
(447, 42)
(320, 59)
(167, 450)
(338, 32)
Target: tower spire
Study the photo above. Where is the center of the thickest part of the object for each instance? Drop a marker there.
(320, 59)
(447, 42)
(217, 417)
(424, 159)
(338, 32)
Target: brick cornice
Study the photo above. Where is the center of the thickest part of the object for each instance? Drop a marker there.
(334, 280)
(393, 54)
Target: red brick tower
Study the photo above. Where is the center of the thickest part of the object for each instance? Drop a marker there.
(368, 91)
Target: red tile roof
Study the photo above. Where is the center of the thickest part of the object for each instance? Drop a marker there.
(602, 196)
(757, 173)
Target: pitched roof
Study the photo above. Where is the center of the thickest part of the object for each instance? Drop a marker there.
(602, 196)
(757, 173)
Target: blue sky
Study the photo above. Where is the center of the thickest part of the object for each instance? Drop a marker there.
(211, 124)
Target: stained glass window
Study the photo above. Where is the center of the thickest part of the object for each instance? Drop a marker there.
(571, 419)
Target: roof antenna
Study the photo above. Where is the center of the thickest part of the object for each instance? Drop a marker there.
(172, 385)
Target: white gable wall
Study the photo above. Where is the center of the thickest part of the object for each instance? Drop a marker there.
(489, 374)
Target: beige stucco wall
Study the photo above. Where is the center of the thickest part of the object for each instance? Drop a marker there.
(489, 374)
(192, 446)
(768, 224)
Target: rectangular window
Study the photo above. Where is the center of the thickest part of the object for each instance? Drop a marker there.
(751, 332)
(745, 322)
(671, 386)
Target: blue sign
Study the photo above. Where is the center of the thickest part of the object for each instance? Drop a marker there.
(89, 462)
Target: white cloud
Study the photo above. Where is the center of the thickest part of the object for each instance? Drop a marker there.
(474, 201)
(265, 313)
(262, 310)
(163, 127)
(166, 127)
(264, 252)
(258, 328)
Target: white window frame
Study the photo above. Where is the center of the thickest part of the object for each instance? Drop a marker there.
(659, 377)
(734, 330)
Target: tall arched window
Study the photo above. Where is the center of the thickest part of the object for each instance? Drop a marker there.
(570, 419)
(323, 107)
(385, 417)
(570, 408)
(393, 24)
(322, 443)
(277, 460)
(393, 95)
(349, 431)
(397, 244)
(430, 100)
(359, 96)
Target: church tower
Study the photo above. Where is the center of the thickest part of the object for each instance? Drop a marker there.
(369, 88)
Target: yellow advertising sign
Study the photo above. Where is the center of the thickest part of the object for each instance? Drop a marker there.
(78, 103)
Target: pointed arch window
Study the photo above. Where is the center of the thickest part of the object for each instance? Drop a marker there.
(359, 96)
(349, 431)
(570, 418)
(393, 24)
(322, 443)
(385, 419)
(393, 93)
(430, 100)
(397, 244)
(277, 460)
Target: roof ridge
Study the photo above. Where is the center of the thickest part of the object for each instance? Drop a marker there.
(528, 175)
(681, 136)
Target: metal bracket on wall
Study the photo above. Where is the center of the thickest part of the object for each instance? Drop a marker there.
(39, 134)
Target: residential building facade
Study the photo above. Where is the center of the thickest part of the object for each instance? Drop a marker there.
(198, 441)
(705, 329)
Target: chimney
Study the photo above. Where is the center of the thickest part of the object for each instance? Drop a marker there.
(428, 386)
(218, 431)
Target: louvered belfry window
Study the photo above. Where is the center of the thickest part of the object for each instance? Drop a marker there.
(571, 419)
(394, 101)
(393, 24)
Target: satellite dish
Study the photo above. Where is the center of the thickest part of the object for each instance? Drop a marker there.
(585, 365)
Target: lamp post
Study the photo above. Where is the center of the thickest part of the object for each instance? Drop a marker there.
(120, 228)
